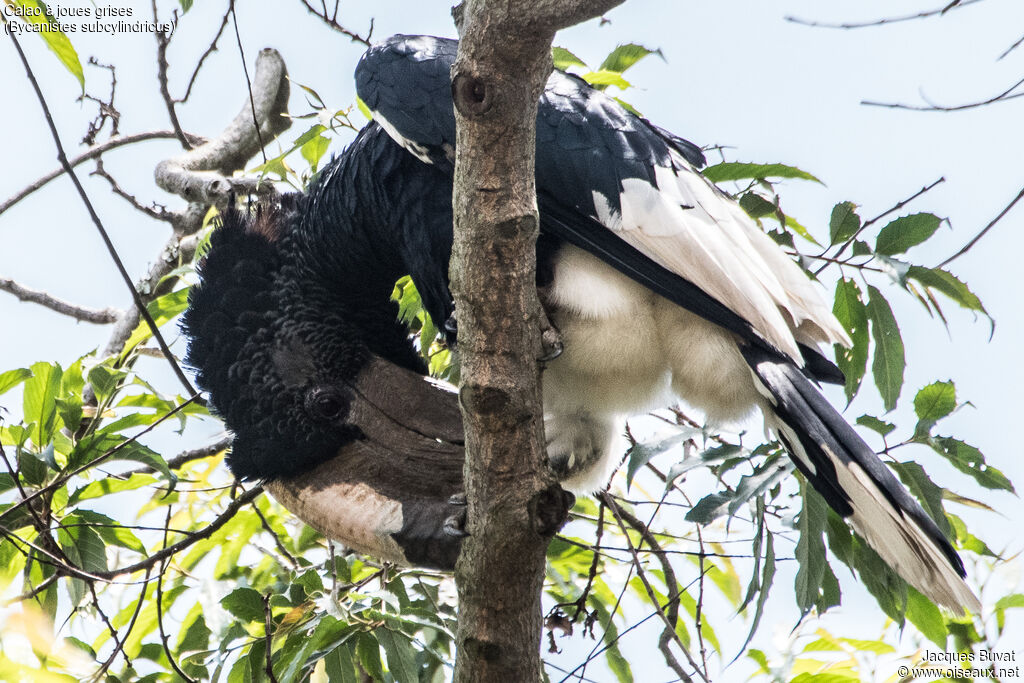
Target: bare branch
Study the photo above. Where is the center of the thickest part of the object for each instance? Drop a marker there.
(162, 41)
(1004, 96)
(209, 50)
(1017, 43)
(203, 174)
(248, 83)
(81, 313)
(332, 22)
(956, 4)
(991, 224)
(107, 110)
(62, 157)
(215, 524)
(156, 212)
(93, 153)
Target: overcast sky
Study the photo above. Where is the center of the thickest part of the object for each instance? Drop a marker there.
(735, 73)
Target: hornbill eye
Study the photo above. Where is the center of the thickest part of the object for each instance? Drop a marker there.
(325, 403)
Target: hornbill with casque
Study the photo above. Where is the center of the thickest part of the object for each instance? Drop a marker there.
(658, 282)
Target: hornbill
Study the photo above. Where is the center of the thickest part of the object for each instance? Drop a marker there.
(658, 282)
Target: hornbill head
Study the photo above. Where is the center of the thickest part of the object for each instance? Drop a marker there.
(366, 451)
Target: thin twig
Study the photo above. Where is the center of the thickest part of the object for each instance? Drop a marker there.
(215, 524)
(1017, 43)
(248, 81)
(273, 534)
(956, 4)
(156, 211)
(131, 624)
(162, 41)
(36, 590)
(1004, 96)
(209, 50)
(63, 479)
(84, 314)
(62, 157)
(92, 153)
(332, 21)
(991, 224)
(160, 607)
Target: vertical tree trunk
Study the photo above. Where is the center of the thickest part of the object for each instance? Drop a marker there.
(504, 59)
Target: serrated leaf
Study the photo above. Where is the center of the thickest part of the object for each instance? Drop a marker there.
(368, 651)
(54, 38)
(947, 283)
(244, 603)
(602, 78)
(794, 225)
(401, 656)
(844, 222)
(889, 361)
(852, 313)
(932, 403)
(564, 60)
(873, 423)
(734, 170)
(861, 248)
(314, 150)
(811, 585)
(905, 232)
(757, 206)
(624, 56)
(926, 491)
(922, 613)
(970, 461)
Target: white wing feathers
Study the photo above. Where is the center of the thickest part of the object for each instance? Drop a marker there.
(687, 226)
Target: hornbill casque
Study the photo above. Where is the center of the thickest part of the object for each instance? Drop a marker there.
(658, 282)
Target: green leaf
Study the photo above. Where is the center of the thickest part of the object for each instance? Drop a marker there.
(767, 577)
(625, 56)
(54, 38)
(82, 543)
(708, 458)
(794, 225)
(932, 403)
(926, 491)
(244, 603)
(314, 150)
(38, 401)
(363, 109)
(873, 423)
(757, 206)
(194, 633)
(889, 589)
(564, 60)
(111, 531)
(734, 170)
(640, 454)
(340, 666)
(104, 381)
(12, 378)
(965, 539)
(889, 361)
(906, 232)
(922, 613)
(186, 5)
(368, 651)
(400, 654)
(816, 585)
(844, 222)
(850, 310)
(970, 461)
(163, 309)
(601, 79)
(948, 284)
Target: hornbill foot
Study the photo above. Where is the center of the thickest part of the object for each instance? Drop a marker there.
(455, 524)
(552, 509)
(550, 339)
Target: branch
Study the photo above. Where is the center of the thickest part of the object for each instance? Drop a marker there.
(991, 224)
(156, 212)
(1004, 96)
(202, 174)
(80, 313)
(215, 524)
(162, 41)
(62, 157)
(92, 153)
(332, 22)
(209, 50)
(948, 7)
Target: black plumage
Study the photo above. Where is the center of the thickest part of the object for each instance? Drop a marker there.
(656, 279)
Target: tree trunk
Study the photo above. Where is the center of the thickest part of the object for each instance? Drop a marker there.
(503, 62)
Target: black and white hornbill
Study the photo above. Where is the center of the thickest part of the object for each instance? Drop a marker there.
(658, 282)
